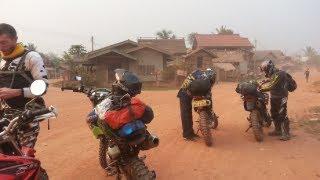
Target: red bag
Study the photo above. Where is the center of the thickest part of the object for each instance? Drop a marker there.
(117, 118)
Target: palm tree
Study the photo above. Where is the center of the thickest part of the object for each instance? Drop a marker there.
(224, 30)
(191, 38)
(310, 52)
(165, 34)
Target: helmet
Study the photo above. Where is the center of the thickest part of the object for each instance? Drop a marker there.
(126, 83)
(267, 67)
(211, 74)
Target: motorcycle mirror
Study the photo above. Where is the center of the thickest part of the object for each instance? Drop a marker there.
(38, 87)
(78, 78)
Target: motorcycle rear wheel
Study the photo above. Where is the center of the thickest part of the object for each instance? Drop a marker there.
(257, 129)
(103, 145)
(204, 122)
(137, 170)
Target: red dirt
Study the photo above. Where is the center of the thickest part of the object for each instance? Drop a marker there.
(69, 150)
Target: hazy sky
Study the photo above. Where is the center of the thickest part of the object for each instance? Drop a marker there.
(54, 25)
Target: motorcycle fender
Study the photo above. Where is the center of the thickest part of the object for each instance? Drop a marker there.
(97, 131)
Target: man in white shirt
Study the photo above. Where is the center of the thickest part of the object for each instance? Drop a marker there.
(19, 67)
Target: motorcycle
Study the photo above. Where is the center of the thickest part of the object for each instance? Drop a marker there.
(17, 162)
(256, 103)
(207, 118)
(119, 149)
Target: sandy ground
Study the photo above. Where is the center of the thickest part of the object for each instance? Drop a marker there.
(69, 150)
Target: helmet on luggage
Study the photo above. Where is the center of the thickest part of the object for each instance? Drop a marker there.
(126, 83)
(267, 67)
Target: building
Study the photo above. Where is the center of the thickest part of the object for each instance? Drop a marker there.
(221, 42)
(145, 58)
(176, 47)
(199, 59)
(233, 51)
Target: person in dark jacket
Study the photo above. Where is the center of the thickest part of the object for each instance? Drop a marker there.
(277, 85)
(185, 96)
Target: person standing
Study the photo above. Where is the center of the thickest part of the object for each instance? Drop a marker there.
(19, 67)
(307, 74)
(279, 83)
(185, 96)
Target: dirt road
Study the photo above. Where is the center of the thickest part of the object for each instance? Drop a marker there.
(69, 150)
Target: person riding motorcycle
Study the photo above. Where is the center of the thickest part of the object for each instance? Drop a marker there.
(277, 85)
(19, 67)
(205, 79)
(123, 89)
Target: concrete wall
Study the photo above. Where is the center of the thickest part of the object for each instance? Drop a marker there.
(148, 57)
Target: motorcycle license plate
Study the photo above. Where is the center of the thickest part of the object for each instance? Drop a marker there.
(201, 103)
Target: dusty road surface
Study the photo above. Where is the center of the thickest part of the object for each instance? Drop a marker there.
(69, 150)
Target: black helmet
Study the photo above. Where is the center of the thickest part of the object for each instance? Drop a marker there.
(267, 67)
(126, 83)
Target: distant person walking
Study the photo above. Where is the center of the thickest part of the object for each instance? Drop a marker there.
(307, 74)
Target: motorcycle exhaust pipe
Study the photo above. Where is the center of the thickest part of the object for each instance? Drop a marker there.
(151, 142)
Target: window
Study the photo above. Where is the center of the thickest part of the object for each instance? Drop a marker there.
(199, 62)
(146, 70)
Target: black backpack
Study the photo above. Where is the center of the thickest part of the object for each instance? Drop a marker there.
(291, 83)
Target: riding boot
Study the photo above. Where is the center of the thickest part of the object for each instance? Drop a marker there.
(285, 130)
(277, 129)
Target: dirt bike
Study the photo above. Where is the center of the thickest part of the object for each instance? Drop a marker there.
(256, 103)
(18, 162)
(207, 118)
(119, 149)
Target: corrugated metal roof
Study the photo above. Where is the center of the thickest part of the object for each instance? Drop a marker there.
(174, 46)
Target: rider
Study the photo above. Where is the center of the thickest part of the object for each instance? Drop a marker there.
(277, 85)
(129, 84)
(19, 67)
(187, 91)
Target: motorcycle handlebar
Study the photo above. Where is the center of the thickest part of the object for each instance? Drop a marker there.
(27, 115)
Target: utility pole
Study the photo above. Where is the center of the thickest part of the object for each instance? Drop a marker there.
(92, 43)
(254, 60)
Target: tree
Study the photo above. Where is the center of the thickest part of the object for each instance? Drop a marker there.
(191, 38)
(224, 30)
(165, 34)
(77, 50)
(310, 52)
(31, 47)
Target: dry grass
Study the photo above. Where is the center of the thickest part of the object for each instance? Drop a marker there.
(311, 122)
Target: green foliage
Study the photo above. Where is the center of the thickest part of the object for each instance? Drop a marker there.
(77, 50)
(165, 34)
(224, 30)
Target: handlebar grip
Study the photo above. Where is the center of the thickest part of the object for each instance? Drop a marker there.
(34, 113)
